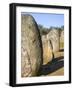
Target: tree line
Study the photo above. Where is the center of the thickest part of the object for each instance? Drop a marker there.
(44, 30)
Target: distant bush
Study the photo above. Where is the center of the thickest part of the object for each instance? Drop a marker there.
(44, 30)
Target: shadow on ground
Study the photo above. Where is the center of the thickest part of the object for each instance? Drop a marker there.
(61, 50)
(52, 66)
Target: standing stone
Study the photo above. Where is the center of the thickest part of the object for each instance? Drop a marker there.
(62, 40)
(47, 50)
(31, 47)
(62, 36)
(51, 44)
(54, 37)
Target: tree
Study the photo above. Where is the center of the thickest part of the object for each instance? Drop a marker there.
(43, 30)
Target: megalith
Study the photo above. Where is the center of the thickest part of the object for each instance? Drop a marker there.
(54, 38)
(62, 39)
(47, 50)
(31, 47)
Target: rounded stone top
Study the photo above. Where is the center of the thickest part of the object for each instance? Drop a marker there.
(27, 18)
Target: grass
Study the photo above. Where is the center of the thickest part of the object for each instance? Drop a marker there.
(61, 45)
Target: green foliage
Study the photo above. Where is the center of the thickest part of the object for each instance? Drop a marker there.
(44, 30)
(62, 27)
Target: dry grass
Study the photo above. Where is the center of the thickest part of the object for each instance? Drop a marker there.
(59, 72)
(61, 45)
(58, 54)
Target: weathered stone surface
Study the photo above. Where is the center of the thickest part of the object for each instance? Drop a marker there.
(62, 39)
(31, 47)
(51, 43)
(54, 37)
(62, 36)
(47, 50)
